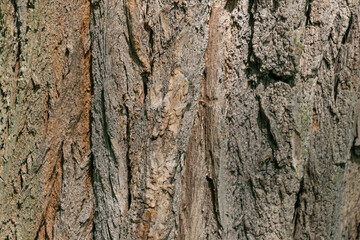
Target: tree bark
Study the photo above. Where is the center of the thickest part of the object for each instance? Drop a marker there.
(180, 119)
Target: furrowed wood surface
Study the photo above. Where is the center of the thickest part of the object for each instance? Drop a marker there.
(180, 119)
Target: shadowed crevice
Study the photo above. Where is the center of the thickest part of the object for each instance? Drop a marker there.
(297, 208)
(346, 37)
(308, 12)
(231, 5)
(264, 124)
(128, 161)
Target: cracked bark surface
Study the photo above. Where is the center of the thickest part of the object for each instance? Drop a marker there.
(180, 119)
(46, 190)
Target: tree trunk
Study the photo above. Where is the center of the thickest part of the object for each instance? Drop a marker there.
(180, 119)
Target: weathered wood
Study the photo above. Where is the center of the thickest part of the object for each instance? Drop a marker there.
(180, 119)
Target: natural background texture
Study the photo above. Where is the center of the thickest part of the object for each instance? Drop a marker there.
(175, 119)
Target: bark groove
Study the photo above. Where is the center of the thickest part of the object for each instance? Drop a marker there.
(212, 119)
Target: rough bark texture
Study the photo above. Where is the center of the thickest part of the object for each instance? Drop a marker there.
(45, 188)
(162, 119)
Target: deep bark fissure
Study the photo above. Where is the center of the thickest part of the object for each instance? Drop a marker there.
(358, 231)
(251, 58)
(91, 116)
(336, 78)
(30, 4)
(346, 39)
(231, 5)
(41, 225)
(276, 5)
(128, 137)
(245, 230)
(62, 161)
(347, 33)
(297, 207)
(264, 123)
(135, 47)
(355, 154)
(18, 24)
(289, 80)
(308, 12)
(128, 161)
(133, 54)
(145, 80)
(215, 203)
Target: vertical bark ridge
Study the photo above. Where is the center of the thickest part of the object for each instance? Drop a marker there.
(48, 134)
(215, 119)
